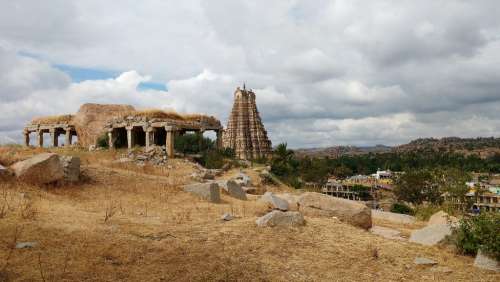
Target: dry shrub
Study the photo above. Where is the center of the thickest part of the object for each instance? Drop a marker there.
(154, 113)
(61, 119)
(27, 209)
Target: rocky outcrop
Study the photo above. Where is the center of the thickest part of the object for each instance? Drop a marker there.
(352, 212)
(393, 217)
(442, 218)
(280, 218)
(430, 235)
(206, 191)
(486, 262)
(40, 169)
(273, 202)
(292, 200)
(233, 189)
(71, 167)
(245, 133)
(90, 120)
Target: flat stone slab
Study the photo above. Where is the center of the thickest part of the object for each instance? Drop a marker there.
(393, 217)
(485, 262)
(206, 191)
(430, 235)
(424, 261)
(233, 189)
(280, 218)
(385, 232)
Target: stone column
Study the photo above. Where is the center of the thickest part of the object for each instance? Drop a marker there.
(199, 134)
(111, 141)
(54, 137)
(40, 138)
(130, 137)
(150, 137)
(219, 139)
(27, 138)
(170, 141)
(68, 137)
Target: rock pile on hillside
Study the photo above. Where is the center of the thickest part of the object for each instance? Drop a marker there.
(155, 155)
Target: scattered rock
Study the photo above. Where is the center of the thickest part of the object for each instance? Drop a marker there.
(393, 217)
(442, 218)
(40, 169)
(26, 245)
(71, 167)
(352, 212)
(243, 179)
(424, 261)
(485, 262)
(233, 189)
(386, 232)
(207, 191)
(227, 217)
(279, 218)
(292, 200)
(442, 269)
(274, 202)
(430, 235)
(155, 155)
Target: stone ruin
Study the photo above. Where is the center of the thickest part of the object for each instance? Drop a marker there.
(124, 126)
(245, 133)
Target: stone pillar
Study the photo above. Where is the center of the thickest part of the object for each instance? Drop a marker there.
(40, 138)
(219, 139)
(68, 137)
(170, 141)
(199, 134)
(54, 137)
(150, 137)
(130, 137)
(27, 138)
(111, 141)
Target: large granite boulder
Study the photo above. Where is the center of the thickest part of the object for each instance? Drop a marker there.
(206, 191)
(352, 212)
(233, 189)
(90, 120)
(40, 169)
(486, 262)
(273, 202)
(280, 218)
(431, 234)
(71, 167)
(292, 200)
(442, 218)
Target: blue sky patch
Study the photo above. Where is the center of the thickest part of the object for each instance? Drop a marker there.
(78, 74)
(152, 85)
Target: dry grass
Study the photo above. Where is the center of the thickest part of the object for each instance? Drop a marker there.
(159, 233)
(161, 114)
(61, 119)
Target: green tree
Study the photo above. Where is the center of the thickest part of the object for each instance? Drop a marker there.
(417, 186)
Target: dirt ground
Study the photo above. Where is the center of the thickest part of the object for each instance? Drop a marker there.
(136, 224)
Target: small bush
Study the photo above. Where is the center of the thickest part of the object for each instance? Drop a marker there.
(102, 141)
(478, 233)
(212, 159)
(425, 211)
(402, 208)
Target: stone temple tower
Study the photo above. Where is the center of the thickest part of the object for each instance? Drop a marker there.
(245, 133)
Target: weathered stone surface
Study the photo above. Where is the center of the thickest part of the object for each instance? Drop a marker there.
(393, 217)
(273, 201)
(90, 120)
(227, 217)
(71, 166)
(279, 218)
(245, 133)
(430, 235)
(424, 261)
(243, 179)
(352, 212)
(485, 262)
(292, 200)
(26, 245)
(233, 189)
(40, 169)
(442, 218)
(386, 232)
(207, 191)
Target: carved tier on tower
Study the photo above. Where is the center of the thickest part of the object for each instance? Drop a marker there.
(245, 133)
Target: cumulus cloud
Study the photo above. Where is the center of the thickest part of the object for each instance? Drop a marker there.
(325, 72)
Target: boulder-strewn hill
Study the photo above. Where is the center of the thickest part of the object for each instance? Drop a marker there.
(482, 146)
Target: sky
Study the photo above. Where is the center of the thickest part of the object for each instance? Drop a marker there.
(325, 73)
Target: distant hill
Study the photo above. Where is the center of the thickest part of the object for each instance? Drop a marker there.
(482, 146)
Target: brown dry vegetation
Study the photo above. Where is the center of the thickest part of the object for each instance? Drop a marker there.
(161, 114)
(53, 119)
(125, 224)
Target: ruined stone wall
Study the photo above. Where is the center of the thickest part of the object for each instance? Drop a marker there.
(90, 120)
(245, 133)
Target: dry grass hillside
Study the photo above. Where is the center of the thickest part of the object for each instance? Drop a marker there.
(136, 224)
